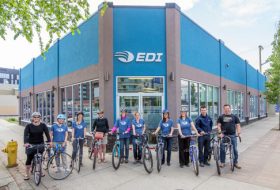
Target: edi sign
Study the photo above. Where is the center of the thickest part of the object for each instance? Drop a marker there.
(127, 56)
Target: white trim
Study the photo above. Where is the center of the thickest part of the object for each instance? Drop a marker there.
(199, 82)
(93, 80)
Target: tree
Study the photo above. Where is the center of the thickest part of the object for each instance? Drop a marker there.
(28, 17)
(273, 84)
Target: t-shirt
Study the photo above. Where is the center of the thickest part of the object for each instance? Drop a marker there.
(34, 134)
(123, 125)
(79, 129)
(139, 126)
(165, 127)
(185, 125)
(59, 132)
(228, 123)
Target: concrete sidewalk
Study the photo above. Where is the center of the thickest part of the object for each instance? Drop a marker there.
(257, 138)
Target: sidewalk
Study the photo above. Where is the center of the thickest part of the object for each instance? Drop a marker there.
(257, 155)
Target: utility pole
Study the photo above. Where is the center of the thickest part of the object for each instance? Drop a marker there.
(260, 57)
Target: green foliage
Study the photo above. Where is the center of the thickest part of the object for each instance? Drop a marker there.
(28, 17)
(273, 84)
(12, 120)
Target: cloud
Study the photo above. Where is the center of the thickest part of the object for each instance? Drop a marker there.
(245, 13)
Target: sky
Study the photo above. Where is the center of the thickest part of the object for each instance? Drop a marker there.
(242, 25)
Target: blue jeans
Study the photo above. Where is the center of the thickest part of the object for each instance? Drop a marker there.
(167, 145)
(235, 152)
(203, 146)
(124, 142)
(137, 149)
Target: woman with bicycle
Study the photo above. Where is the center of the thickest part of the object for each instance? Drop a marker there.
(101, 126)
(185, 127)
(138, 129)
(59, 134)
(123, 126)
(33, 134)
(166, 128)
(78, 133)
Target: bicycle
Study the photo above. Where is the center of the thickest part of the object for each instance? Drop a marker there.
(76, 162)
(116, 153)
(142, 140)
(228, 146)
(193, 152)
(159, 149)
(96, 147)
(53, 167)
(36, 164)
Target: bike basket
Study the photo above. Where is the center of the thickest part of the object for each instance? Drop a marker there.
(98, 135)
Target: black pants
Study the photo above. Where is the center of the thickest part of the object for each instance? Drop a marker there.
(203, 147)
(30, 154)
(75, 149)
(167, 146)
(184, 146)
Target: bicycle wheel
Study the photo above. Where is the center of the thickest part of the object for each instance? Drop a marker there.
(217, 158)
(116, 158)
(195, 161)
(94, 158)
(37, 171)
(90, 152)
(159, 157)
(77, 162)
(55, 170)
(147, 159)
(45, 159)
(231, 158)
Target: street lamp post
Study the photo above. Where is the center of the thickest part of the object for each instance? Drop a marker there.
(260, 57)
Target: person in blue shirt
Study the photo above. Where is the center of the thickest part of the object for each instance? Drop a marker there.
(166, 128)
(204, 126)
(78, 134)
(185, 127)
(138, 128)
(123, 126)
(59, 134)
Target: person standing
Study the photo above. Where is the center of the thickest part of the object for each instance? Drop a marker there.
(33, 134)
(229, 124)
(101, 125)
(185, 127)
(204, 126)
(79, 129)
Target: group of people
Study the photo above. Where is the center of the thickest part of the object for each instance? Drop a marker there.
(227, 124)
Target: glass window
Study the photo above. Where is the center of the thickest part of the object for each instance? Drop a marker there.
(94, 99)
(48, 108)
(86, 102)
(202, 95)
(69, 105)
(63, 101)
(185, 95)
(77, 98)
(210, 101)
(138, 84)
(194, 100)
(216, 103)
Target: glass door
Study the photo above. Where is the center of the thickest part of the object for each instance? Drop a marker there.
(151, 108)
(130, 102)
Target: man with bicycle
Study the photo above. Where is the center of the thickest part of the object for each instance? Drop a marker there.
(229, 124)
(204, 126)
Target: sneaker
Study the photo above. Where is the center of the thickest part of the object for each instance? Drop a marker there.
(26, 177)
(122, 161)
(181, 165)
(81, 164)
(201, 165)
(140, 161)
(237, 166)
(168, 164)
(187, 165)
(162, 162)
(126, 161)
(207, 163)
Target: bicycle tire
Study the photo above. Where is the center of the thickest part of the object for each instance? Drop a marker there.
(159, 158)
(94, 160)
(116, 157)
(217, 158)
(231, 157)
(65, 172)
(78, 161)
(37, 171)
(147, 156)
(45, 159)
(90, 152)
(195, 162)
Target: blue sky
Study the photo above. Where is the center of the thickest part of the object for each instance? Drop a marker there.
(241, 24)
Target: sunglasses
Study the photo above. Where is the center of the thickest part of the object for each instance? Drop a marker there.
(36, 117)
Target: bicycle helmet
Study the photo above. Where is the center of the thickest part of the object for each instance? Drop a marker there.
(60, 116)
(100, 111)
(36, 114)
(165, 111)
(183, 109)
(123, 109)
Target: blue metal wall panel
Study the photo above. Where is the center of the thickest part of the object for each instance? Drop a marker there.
(26, 78)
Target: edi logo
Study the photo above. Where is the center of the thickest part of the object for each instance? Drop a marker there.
(127, 56)
(124, 56)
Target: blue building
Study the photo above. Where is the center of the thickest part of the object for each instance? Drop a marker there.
(143, 58)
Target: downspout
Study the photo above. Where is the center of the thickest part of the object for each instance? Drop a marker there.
(258, 80)
(33, 85)
(20, 100)
(246, 94)
(58, 94)
(220, 62)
